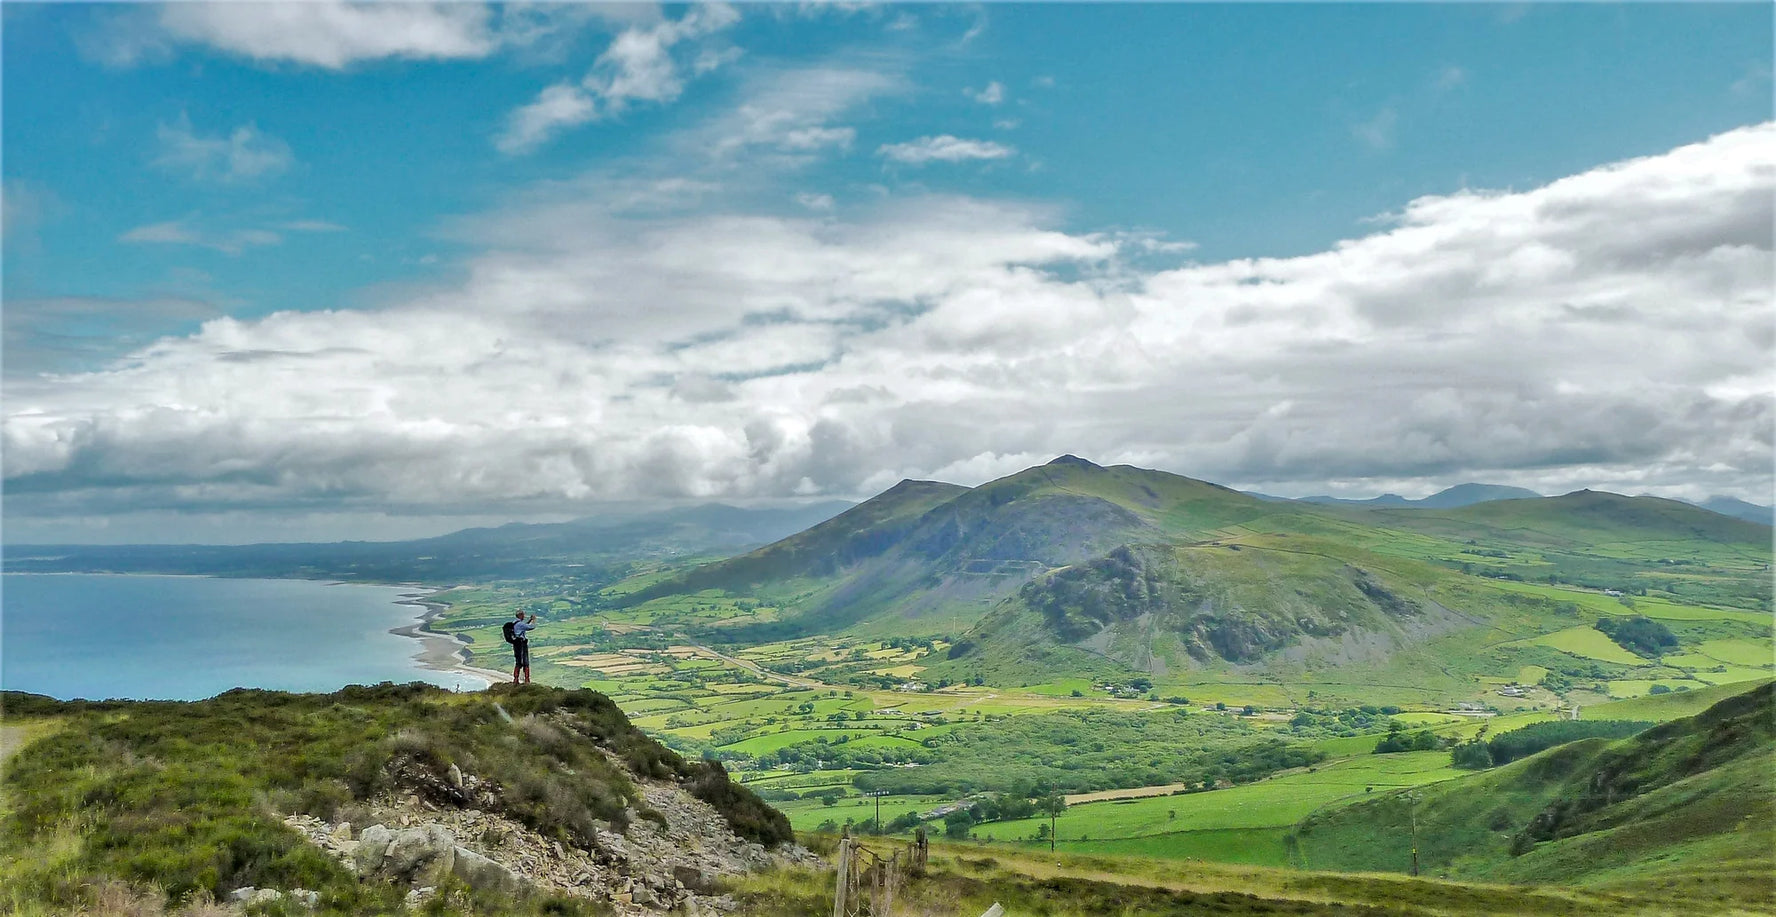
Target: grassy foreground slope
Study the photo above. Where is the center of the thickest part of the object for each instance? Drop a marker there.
(1687, 806)
(964, 880)
(186, 801)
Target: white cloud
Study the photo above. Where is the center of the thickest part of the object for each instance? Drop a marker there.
(333, 34)
(593, 352)
(560, 106)
(638, 66)
(821, 202)
(243, 155)
(992, 95)
(791, 112)
(180, 232)
(943, 148)
(336, 34)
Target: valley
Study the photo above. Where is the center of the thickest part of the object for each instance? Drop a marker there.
(1232, 664)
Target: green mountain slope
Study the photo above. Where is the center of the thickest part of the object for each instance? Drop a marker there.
(1072, 570)
(1687, 802)
(1165, 608)
(943, 555)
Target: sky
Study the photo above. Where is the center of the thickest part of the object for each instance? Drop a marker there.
(324, 270)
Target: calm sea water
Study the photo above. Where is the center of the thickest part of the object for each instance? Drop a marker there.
(189, 637)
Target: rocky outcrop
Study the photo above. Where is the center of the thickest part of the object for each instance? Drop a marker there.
(649, 869)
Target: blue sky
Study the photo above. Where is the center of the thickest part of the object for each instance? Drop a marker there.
(569, 175)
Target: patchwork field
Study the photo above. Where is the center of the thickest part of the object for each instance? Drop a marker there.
(813, 721)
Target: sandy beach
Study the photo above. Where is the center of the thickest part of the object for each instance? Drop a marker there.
(443, 652)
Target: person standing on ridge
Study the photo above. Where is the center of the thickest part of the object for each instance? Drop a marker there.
(514, 632)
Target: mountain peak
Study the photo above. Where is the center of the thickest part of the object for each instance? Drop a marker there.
(1071, 459)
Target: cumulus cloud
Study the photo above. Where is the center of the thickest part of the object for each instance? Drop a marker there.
(943, 148)
(242, 155)
(1611, 329)
(639, 66)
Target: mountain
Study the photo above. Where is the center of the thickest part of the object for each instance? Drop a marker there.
(1739, 509)
(527, 800)
(1684, 805)
(1459, 495)
(515, 550)
(1070, 569)
(942, 555)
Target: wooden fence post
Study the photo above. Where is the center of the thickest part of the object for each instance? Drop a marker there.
(844, 877)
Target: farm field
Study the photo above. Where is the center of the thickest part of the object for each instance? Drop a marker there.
(1213, 824)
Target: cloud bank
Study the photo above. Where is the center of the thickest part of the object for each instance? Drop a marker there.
(1613, 328)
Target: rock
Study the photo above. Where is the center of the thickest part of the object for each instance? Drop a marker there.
(244, 893)
(373, 847)
(308, 899)
(454, 775)
(479, 871)
(693, 878)
(415, 847)
(343, 832)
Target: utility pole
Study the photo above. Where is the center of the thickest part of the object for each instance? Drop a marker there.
(878, 794)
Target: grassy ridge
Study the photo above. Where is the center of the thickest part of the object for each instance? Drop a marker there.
(1692, 795)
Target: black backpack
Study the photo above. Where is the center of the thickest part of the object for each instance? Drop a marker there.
(507, 631)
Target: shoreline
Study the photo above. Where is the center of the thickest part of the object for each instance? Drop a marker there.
(442, 652)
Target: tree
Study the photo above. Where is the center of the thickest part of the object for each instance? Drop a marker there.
(1471, 755)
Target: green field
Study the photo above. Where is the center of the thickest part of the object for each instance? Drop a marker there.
(1227, 824)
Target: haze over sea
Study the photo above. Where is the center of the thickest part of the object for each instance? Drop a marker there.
(189, 637)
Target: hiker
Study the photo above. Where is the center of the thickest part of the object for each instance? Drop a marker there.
(515, 630)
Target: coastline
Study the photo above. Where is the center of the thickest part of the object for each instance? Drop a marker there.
(442, 652)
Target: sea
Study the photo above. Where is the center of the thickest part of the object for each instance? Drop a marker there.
(190, 637)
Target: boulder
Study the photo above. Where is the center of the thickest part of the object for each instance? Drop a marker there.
(373, 847)
(416, 847)
(479, 871)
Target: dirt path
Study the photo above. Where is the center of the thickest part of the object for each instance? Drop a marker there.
(17, 735)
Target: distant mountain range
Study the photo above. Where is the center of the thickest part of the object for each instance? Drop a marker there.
(1738, 509)
(514, 550)
(1469, 494)
(1070, 568)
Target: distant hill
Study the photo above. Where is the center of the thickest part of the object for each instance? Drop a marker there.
(1459, 495)
(1739, 509)
(1686, 804)
(515, 550)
